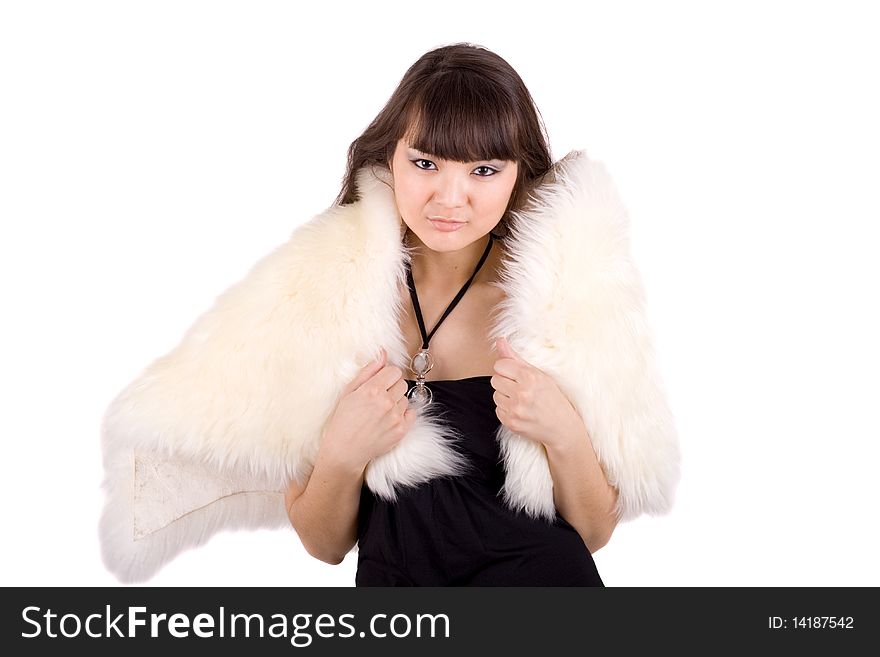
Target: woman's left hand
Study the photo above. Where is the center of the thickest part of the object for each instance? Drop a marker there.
(528, 401)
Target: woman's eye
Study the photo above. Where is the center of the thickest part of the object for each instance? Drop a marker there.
(428, 165)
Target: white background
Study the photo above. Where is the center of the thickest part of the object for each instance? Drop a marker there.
(151, 152)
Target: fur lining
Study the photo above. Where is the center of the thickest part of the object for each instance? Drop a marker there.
(208, 435)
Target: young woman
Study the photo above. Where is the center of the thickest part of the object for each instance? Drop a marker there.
(456, 458)
(464, 144)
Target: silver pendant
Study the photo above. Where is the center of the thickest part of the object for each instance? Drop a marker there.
(420, 365)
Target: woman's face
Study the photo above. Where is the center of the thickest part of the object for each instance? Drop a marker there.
(429, 190)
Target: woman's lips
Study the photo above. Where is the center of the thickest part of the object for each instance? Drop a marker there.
(446, 226)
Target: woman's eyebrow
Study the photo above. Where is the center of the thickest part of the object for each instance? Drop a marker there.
(429, 156)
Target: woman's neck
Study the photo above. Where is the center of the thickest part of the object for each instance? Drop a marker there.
(449, 271)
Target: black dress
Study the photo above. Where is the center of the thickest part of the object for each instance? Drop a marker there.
(457, 531)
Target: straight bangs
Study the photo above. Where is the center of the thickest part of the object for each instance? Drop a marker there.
(458, 117)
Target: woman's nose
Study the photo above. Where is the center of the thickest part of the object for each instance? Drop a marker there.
(451, 191)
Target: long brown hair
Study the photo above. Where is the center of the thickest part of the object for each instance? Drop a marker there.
(463, 103)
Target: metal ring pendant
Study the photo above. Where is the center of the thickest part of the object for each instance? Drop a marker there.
(420, 364)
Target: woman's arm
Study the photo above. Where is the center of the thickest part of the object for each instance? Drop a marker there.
(581, 492)
(324, 510)
(371, 417)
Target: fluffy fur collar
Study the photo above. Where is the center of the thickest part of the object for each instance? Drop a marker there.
(207, 436)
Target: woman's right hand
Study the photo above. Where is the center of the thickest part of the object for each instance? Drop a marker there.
(372, 415)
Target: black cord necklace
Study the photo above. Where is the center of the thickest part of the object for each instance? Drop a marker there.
(421, 363)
